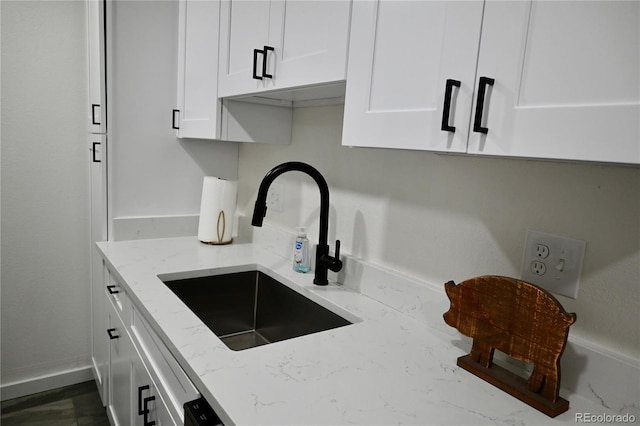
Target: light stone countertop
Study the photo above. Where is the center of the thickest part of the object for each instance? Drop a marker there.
(386, 368)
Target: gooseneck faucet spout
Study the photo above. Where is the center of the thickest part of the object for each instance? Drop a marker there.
(324, 262)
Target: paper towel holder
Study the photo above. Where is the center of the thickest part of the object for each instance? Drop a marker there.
(220, 233)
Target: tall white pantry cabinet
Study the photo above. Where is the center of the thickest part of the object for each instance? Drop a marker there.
(138, 380)
(532, 79)
(97, 141)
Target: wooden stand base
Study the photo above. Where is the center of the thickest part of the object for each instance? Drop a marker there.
(215, 243)
(514, 385)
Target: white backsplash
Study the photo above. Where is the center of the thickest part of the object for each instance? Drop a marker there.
(596, 373)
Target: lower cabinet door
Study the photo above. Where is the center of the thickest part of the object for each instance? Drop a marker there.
(121, 351)
(148, 407)
(99, 322)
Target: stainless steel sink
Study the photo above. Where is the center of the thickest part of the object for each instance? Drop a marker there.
(249, 309)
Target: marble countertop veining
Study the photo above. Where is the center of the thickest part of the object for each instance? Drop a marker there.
(386, 368)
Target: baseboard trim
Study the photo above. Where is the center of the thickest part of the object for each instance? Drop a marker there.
(45, 383)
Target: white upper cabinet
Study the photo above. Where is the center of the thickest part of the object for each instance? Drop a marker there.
(401, 55)
(567, 80)
(280, 44)
(199, 109)
(97, 108)
(556, 80)
(200, 112)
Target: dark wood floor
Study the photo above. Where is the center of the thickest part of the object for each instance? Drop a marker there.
(75, 405)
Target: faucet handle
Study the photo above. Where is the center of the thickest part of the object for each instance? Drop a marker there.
(334, 263)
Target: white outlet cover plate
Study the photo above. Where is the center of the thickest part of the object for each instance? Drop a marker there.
(563, 264)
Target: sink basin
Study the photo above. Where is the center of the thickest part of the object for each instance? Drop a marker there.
(249, 309)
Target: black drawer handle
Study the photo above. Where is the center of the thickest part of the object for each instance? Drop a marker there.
(446, 108)
(482, 89)
(174, 121)
(147, 411)
(141, 408)
(265, 54)
(256, 52)
(112, 289)
(93, 150)
(111, 333)
(93, 114)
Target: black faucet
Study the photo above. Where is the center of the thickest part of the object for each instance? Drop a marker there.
(323, 260)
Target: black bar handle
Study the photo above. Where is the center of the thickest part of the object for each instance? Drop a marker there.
(173, 120)
(93, 150)
(112, 289)
(93, 114)
(111, 334)
(141, 408)
(256, 52)
(482, 89)
(146, 411)
(264, 61)
(446, 108)
(334, 263)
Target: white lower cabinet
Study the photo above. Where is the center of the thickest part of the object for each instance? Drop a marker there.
(143, 384)
(99, 323)
(120, 355)
(149, 407)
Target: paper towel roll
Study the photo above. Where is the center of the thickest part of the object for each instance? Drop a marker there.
(217, 210)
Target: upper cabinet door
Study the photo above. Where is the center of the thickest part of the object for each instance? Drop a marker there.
(244, 30)
(278, 44)
(97, 107)
(411, 74)
(199, 108)
(566, 80)
(313, 40)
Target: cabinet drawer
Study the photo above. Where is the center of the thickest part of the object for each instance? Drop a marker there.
(117, 295)
(172, 381)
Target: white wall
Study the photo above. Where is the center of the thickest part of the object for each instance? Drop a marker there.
(45, 190)
(153, 172)
(442, 217)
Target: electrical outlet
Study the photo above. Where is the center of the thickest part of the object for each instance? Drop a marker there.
(542, 251)
(538, 268)
(553, 262)
(274, 197)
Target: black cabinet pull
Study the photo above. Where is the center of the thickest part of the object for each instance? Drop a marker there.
(111, 334)
(112, 289)
(446, 108)
(265, 54)
(482, 88)
(173, 120)
(256, 52)
(93, 114)
(93, 150)
(147, 411)
(141, 408)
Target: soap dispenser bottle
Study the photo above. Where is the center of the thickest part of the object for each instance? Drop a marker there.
(301, 252)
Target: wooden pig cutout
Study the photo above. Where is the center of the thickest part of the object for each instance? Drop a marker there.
(519, 319)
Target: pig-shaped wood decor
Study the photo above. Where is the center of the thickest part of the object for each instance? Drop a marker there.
(521, 320)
